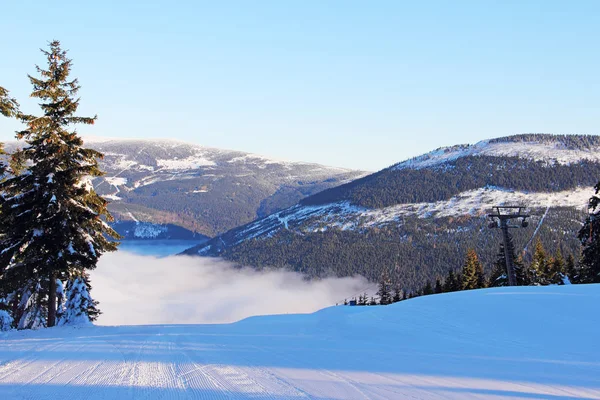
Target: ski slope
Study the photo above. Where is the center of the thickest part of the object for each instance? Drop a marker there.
(507, 343)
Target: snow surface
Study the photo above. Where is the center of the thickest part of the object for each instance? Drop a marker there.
(549, 152)
(116, 180)
(505, 343)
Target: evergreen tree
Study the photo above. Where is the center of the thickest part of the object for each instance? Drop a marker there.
(589, 236)
(472, 272)
(438, 286)
(539, 265)
(8, 106)
(427, 289)
(452, 283)
(54, 220)
(33, 314)
(523, 273)
(384, 289)
(80, 308)
(557, 273)
(571, 270)
(6, 318)
(373, 302)
(397, 294)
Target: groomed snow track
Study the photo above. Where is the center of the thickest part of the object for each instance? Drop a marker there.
(512, 343)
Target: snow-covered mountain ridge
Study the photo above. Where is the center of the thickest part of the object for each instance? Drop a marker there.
(536, 147)
(202, 189)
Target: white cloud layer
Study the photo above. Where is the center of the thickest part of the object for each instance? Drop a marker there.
(134, 290)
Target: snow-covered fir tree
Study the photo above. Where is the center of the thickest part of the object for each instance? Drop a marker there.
(33, 313)
(589, 235)
(55, 223)
(6, 318)
(80, 308)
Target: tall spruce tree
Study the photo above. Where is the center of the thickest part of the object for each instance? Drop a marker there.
(472, 272)
(539, 265)
(557, 273)
(8, 299)
(56, 223)
(589, 236)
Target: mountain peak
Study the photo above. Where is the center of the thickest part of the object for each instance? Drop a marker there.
(561, 149)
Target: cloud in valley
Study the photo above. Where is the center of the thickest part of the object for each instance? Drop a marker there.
(134, 289)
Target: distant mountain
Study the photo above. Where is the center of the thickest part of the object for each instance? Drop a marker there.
(420, 216)
(202, 189)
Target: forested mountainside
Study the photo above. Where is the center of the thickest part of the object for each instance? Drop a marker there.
(201, 189)
(135, 230)
(420, 216)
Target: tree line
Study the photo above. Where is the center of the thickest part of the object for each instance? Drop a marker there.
(543, 269)
(53, 225)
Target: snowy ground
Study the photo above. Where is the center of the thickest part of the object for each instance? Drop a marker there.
(437, 347)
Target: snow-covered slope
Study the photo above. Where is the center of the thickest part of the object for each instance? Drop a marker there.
(506, 343)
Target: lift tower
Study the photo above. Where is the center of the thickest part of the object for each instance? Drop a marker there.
(500, 218)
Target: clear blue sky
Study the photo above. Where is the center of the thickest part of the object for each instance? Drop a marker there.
(359, 84)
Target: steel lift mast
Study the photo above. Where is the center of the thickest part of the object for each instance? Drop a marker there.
(500, 218)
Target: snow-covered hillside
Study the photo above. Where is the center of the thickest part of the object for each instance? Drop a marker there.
(436, 201)
(536, 147)
(202, 189)
(505, 343)
(345, 216)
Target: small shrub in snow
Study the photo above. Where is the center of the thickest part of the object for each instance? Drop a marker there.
(80, 308)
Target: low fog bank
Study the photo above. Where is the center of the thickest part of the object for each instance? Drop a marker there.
(134, 290)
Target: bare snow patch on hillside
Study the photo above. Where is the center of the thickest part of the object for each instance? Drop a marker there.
(116, 180)
(136, 289)
(192, 162)
(478, 202)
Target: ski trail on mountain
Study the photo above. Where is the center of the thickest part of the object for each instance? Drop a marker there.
(448, 346)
